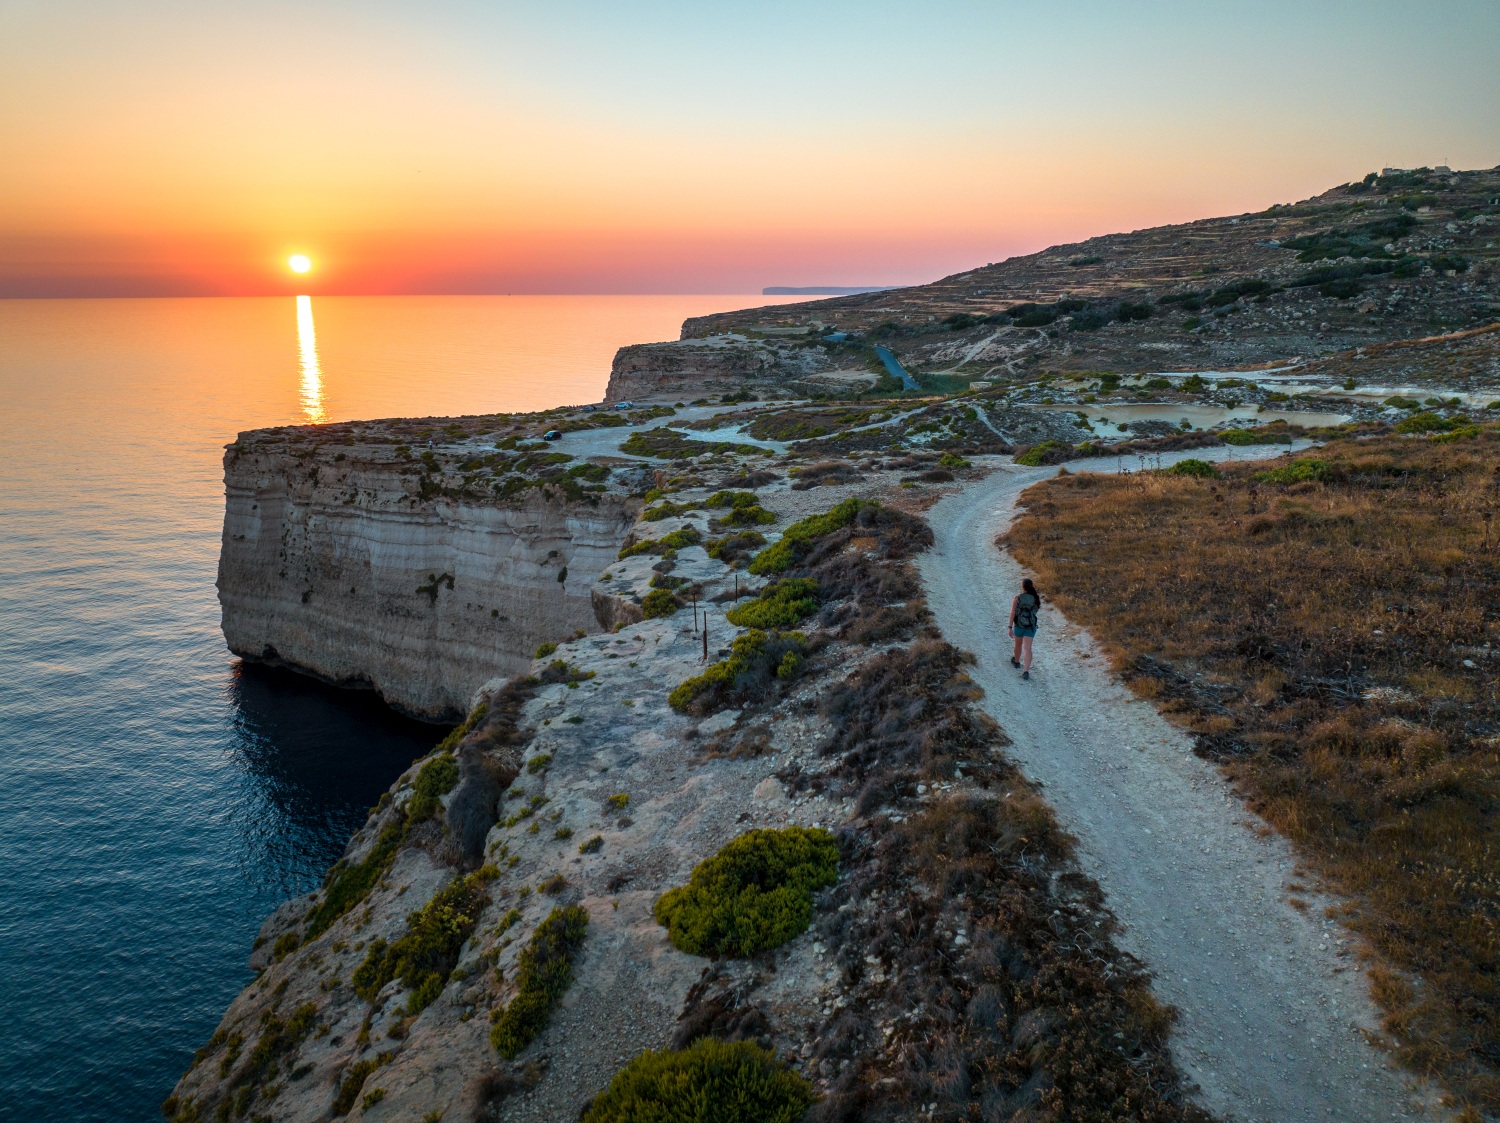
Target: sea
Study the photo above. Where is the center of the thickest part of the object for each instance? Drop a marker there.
(158, 797)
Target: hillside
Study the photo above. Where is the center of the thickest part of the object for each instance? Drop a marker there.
(1393, 256)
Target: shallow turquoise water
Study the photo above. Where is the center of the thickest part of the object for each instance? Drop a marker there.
(158, 799)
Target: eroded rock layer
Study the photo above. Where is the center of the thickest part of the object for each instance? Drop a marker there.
(365, 566)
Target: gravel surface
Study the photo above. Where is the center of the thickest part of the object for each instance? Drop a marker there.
(1273, 1005)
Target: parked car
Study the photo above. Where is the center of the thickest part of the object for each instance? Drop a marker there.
(551, 435)
(589, 409)
(624, 405)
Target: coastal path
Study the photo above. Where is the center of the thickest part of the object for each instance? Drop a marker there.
(1273, 1008)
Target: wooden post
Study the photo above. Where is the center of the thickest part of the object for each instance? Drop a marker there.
(705, 640)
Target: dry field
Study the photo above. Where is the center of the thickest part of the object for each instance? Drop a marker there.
(1333, 643)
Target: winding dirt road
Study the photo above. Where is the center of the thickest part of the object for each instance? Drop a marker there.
(1272, 1004)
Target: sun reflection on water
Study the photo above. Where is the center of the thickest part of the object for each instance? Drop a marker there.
(312, 374)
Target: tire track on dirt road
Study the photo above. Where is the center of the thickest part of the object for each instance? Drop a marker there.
(1272, 1017)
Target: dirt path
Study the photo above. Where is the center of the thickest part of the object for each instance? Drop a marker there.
(1271, 1000)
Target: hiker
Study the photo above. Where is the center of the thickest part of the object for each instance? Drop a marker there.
(1023, 617)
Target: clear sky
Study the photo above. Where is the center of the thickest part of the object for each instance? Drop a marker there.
(190, 146)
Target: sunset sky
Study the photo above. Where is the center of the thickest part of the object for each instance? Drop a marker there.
(182, 147)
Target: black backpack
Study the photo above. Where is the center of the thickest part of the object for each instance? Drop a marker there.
(1026, 606)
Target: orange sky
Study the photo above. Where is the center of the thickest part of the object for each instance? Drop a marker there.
(172, 147)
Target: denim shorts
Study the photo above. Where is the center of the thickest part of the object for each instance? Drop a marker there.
(1024, 633)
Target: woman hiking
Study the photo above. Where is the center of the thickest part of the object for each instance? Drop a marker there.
(1023, 617)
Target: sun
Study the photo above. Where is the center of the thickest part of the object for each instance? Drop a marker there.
(299, 263)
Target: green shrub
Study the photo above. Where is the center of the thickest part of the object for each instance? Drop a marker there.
(666, 511)
(658, 603)
(732, 499)
(733, 547)
(286, 943)
(437, 778)
(354, 1079)
(755, 658)
(1035, 456)
(544, 972)
(348, 885)
(677, 540)
(591, 846)
(753, 895)
(710, 1081)
(423, 958)
(538, 763)
(1297, 472)
(748, 516)
(594, 473)
(1255, 437)
(778, 606)
(545, 650)
(618, 802)
(1198, 468)
(1399, 402)
(953, 460)
(1426, 422)
(777, 557)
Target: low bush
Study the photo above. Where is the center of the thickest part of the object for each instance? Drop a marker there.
(756, 658)
(778, 606)
(721, 499)
(667, 510)
(754, 515)
(658, 603)
(545, 649)
(753, 895)
(778, 557)
(354, 1079)
(1297, 472)
(1428, 422)
(710, 1081)
(1201, 469)
(1036, 455)
(669, 543)
(437, 777)
(1258, 436)
(544, 972)
(735, 548)
(425, 955)
(347, 885)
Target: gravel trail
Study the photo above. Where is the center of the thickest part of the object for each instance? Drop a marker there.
(1272, 1003)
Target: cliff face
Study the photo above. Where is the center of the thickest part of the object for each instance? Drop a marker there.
(699, 368)
(367, 567)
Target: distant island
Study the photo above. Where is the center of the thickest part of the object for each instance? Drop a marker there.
(823, 290)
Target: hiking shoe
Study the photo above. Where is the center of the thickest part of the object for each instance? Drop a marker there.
(1014, 662)
(1025, 674)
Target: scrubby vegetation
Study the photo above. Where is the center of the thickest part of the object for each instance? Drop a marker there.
(667, 545)
(797, 537)
(669, 444)
(1327, 628)
(423, 958)
(347, 885)
(779, 605)
(756, 659)
(708, 1082)
(436, 778)
(753, 895)
(544, 972)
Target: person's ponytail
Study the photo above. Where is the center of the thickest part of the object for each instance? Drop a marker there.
(1028, 587)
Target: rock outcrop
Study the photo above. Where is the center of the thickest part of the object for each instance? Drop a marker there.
(369, 568)
(699, 368)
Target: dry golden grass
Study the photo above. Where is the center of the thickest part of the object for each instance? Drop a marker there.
(1329, 644)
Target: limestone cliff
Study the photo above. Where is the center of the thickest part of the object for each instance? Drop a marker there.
(702, 367)
(491, 947)
(366, 565)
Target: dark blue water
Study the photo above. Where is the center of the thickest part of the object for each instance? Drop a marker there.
(158, 799)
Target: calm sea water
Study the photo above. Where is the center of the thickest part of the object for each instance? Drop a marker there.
(158, 798)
